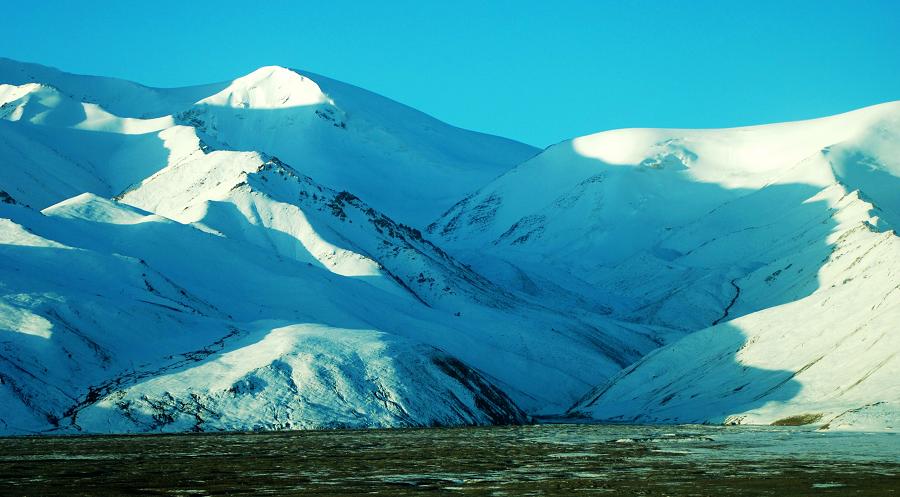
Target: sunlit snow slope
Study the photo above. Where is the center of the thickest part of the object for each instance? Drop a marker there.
(165, 267)
(257, 254)
(775, 244)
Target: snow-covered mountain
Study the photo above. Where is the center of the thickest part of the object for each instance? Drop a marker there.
(403, 162)
(253, 254)
(155, 277)
(775, 245)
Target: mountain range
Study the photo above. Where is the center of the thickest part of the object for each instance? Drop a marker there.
(286, 251)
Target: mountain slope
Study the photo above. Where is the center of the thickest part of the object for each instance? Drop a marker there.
(120, 97)
(829, 358)
(250, 255)
(399, 160)
(619, 214)
(781, 237)
(84, 327)
(226, 284)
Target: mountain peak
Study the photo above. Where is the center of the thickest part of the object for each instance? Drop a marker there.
(269, 87)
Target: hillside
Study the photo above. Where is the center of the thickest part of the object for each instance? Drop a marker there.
(156, 277)
(285, 251)
(774, 245)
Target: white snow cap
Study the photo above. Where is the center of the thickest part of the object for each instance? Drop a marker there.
(269, 87)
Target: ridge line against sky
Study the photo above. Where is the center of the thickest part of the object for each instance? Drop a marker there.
(531, 71)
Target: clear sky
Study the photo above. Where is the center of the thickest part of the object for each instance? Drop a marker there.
(535, 71)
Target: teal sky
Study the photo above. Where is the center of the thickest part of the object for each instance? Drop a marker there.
(535, 71)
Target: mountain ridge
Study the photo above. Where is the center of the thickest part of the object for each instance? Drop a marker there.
(271, 253)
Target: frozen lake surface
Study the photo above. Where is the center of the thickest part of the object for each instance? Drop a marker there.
(555, 459)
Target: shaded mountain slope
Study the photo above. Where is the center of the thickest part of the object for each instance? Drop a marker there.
(781, 237)
(253, 255)
(232, 277)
